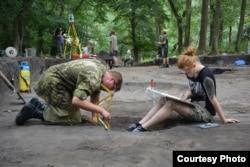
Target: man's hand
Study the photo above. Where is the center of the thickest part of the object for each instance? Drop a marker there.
(106, 115)
(94, 119)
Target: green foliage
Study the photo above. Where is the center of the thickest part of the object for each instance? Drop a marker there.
(95, 19)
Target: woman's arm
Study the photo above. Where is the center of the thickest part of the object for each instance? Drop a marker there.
(220, 112)
(210, 90)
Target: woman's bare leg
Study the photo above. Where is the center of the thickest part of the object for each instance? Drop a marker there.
(151, 112)
(164, 112)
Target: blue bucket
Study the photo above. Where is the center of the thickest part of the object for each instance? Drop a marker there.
(240, 63)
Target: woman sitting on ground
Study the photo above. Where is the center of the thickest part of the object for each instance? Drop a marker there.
(202, 92)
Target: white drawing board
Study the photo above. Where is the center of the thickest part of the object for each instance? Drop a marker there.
(170, 96)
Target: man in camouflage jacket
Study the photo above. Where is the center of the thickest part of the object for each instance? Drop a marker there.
(65, 89)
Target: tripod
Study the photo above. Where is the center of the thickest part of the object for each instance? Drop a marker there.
(73, 40)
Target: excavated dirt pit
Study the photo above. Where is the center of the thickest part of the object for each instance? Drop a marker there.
(40, 145)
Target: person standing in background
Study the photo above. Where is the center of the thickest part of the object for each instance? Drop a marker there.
(60, 42)
(114, 48)
(163, 43)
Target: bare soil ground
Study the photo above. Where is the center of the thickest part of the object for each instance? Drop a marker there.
(38, 145)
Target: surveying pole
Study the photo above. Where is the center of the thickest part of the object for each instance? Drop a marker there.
(75, 47)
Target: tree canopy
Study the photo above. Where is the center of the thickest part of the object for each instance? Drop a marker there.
(213, 26)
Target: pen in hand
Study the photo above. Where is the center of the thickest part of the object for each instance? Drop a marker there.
(184, 96)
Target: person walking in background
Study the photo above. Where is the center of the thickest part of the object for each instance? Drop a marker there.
(60, 43)
(163, 49)
(114, 48)
(202, 92)
(65, 89)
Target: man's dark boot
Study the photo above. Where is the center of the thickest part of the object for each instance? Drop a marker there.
(24, 114)
(38, 104)
(38, 114)
(39, 108)
(33, 109)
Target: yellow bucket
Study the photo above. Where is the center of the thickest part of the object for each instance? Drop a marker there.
(24, 81)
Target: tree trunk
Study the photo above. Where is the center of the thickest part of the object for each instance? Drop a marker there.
(157, 25)
(188, 23)
(179, 25)
(40, 42)
(203, 28)
(220, 38)
(229, 39)
(240, 29)
(133, 33)
(215, 28)
(19, 24)
(18, 31)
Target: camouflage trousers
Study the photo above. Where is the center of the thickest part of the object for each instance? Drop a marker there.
(199, 114)
(60, 109)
